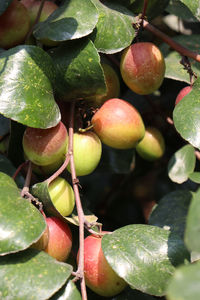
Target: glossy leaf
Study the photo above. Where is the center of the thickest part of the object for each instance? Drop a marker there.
(171, 211)
(78, 70)
(182, 164)
(21, 223)
(40, 190)
(188, 124)
(68, 292)
(179, 9)
(194, 6)
(72, 20)
(4, 5)
(192, 240)
(135, 252)
(26, 94)
(154, 8)
(31, 275)
(195, 176)
(175, 70)
(185, 284)
(119, 21)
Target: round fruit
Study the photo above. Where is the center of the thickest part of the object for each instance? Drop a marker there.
(14, 25)
(113, 87)
(60, 239)
(87, 150)
(62, 196)
(152, 146)
(99, 276)
(118, 124)
(183, 92)
(42, 243)
(45, 146)
(142, 68)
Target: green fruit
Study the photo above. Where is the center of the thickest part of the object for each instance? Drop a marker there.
(118, 124)
(87, 150)
(152, 146)
(45, 147)
(112, 84)
(142, 68)
(62, 196)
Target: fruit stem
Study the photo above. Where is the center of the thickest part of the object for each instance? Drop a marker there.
(59, 171)
(19, 169)
(176, 46)
(35, 22)
(27, 180)
(80, 272)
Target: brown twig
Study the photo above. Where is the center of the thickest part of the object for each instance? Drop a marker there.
(176, 46)
(59, 171)
(79, 274)
(25, 189)
(19, 169)
(197, 153)
(36, 20)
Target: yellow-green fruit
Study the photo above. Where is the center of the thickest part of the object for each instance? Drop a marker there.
(87, 150)
(62, 196)
(112, 84)
(152, 146)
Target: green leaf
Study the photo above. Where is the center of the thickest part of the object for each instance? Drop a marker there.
(40, 190)
(4, 125)
(78, 70)
(154, 8)
(7, 167)
(175, 70)
(26, 94)
(21, 224)
(4, 5)
(68, 292)
(195, 177)
(31, 275)
(185, 284)
(117, 161)
(186, 116)
(192, 240)
(118, 20)
(135, 252)
(179, 9)
(171, 211)
(182, 164)
(194, 6)
(72, 20)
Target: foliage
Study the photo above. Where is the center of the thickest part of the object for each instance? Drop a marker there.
(152, 208)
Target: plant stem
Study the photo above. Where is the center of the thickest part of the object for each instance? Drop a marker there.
(80, 272)
(176, 46)
(27, 180)
(60, 170)
(19, 169)
(36, 20)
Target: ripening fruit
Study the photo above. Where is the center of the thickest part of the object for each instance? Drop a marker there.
(42, 243)
(183, 92)
(113, 87)
(118, 124)
(99, 276)
(152, 146)
(45, 147)
(60, 239)
(142, 68)
(14, 25)
(87, 150)
(62, 196)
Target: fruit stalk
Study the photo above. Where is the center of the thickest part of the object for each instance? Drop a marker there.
(80, 271)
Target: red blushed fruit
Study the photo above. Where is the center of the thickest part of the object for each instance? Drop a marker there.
(60, 239)
(14, 25)
(118, 124)
(99, 276)
(45, 146)
(47, 10)
(186, 90)
(142, 68)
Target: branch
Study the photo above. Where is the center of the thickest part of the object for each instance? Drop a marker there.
(80, 272)
(176, 46)
(60, 170)
(27, 180)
